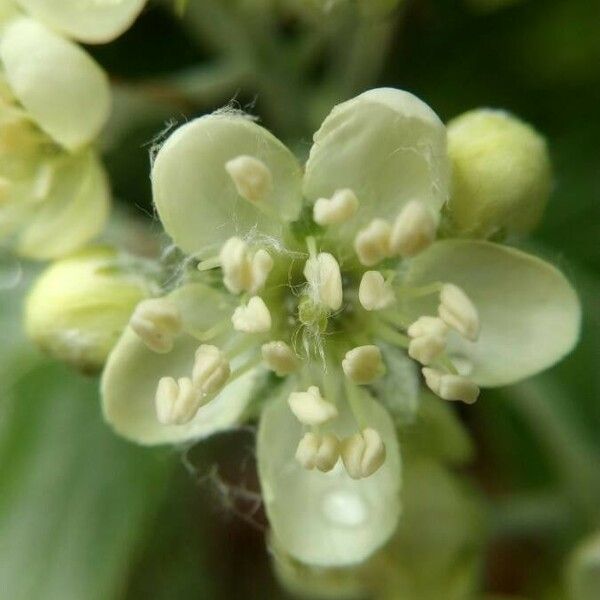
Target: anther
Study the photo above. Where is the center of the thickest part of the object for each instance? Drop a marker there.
(156, 321)
(242, 271)
(414, 229)
(253, 317)
(363, 453)
(363, 364)
(252, 178)
(176, 401)
(323, 275)
(279, 357)
(374, 293)
(318, 451)
(341, 207)
(428, 339)
(310, 408)
(372, 244)
(427, 326)
(211, 370)
(458, 312)
(450, 387)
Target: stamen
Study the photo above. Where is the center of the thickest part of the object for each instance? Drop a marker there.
(450, 387)
(156, 321)
(176, 401)
(414, 229)
(427, 326)
(428, 339)
(341, 207)
(310, 408)
(363, 453)
(253, 317)
(318, 451)
(372, 244)
(325, 280)
(457, 311)
(279, 357)
(242, 271)
(211, 370)
(364, 364)
(374, 293)
(252, 178)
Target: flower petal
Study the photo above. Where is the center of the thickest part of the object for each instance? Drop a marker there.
(62, 88)
(196, 198)
(388, 147)
(74, 212)
(132, 373)
(88, 21)
(327, 519)
(529, 313)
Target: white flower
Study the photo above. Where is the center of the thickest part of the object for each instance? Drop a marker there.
(322, 319)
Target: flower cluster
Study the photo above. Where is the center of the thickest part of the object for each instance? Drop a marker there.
(308, 276)
(54, 99)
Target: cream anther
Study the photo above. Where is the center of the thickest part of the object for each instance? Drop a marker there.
(243, 271)
(450, 387)
(341, 207)
(279, 357)
(372, 244)
(156, 321)
(253, 317)
(414, 229)
(363, 364)
(318, 451)
(310, 408)
(457, 311)
(323, 275)
(426, 348)
(374, 293)
(211, 370)
(176, 401)
(252, 178)
(363, 453)
(427, 326)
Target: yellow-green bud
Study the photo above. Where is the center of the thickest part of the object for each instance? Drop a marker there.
(501, 174)
(79, 306)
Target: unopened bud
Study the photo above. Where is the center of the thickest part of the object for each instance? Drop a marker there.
(414, 229)
(363, 364)
(253, 317)
(450, 387)
(80, 305)
(252, 178)
(363, 453)
(325, 280)
(374, 293)
(176, 401)
(211, 370)
(279, 357)
(341, 207)
(156, 321)
(318, 451)
(501, 174)
(310, 408)
(242, 271)
(458, 312)
(372, 244)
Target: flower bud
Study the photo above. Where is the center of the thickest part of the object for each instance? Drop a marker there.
(450, 387)
(318, 451)
(253, 317)
(157, 322)
(176, 401)
(310, 408)
(325, 280)
(374, 293)
(252, 178)
(458, 312)
(80, 305)
(414, 229)
(372, 244)
(363, 364)
(211, 370)
(501, 174)
(363, 453)
(341, 207)
(279, 357)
